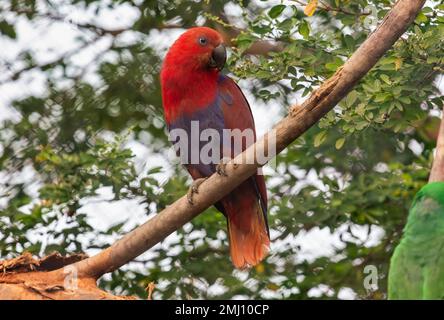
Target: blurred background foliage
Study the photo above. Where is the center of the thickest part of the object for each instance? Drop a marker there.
(353, 175)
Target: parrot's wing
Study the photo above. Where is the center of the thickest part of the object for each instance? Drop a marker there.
(432, 210)
(246, 206)
(228, 110)
(434, 275)
(405, 276)
(237, 115)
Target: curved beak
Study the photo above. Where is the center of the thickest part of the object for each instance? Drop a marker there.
(218, 57)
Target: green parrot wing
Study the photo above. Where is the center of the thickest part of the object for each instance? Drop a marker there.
(405, 276)
(417, 265)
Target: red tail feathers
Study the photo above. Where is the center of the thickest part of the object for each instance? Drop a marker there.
(247, 229)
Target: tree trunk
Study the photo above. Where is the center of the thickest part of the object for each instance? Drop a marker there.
(437, 172)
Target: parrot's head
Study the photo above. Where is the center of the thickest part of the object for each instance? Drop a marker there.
(198, 49)
(432, 190)
(190, 70)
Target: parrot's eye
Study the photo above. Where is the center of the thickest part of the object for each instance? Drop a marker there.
(203, 41)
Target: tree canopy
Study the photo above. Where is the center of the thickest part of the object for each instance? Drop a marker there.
(354, 175)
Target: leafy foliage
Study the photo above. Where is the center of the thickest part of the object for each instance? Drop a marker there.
(352, 175)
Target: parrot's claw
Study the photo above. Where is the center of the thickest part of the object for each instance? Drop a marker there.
(194, 189)
(220, 168)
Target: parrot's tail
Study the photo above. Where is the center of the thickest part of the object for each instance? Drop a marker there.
(248, 233)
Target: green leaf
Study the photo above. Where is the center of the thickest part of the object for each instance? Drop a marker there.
(339, 143)
(405, 99)
(276, 11)
(155, 170)
(398, 106)
(244, 40)
(304, 29)
(381, 97)
(369, 87)
(7, 29)
(320, 138)
(331, 66)
(351, 98)
(421, 18)
(386, 78)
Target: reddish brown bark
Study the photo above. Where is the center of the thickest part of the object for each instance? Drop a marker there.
(27, 278)
(437, 172)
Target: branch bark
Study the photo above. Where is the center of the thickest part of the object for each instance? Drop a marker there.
(299, 120)
(437, 172)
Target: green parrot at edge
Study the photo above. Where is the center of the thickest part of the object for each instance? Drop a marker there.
(417, 265)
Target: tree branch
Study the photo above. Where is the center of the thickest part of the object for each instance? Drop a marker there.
(299, 120)
(327, 7)
(437, 172)
(16, 74)
(230, 32)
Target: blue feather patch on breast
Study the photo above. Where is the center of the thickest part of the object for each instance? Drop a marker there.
(193, 124)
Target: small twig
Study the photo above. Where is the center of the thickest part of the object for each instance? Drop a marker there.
(46, 65)
(97, 29)
(327, 7)
(149, 289)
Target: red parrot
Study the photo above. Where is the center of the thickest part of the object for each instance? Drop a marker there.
(194, 89)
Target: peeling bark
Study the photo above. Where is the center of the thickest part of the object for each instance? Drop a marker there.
(27, 278)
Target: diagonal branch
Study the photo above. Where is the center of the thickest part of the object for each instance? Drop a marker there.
(437, 172)
(299, 120)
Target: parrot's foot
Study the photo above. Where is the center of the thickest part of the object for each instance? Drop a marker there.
(220, 168)
(194, 189)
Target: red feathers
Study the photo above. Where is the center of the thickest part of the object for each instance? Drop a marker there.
(187, 82)
(193, 90)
